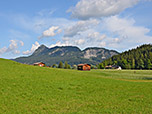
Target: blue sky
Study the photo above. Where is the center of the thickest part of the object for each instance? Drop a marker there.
(113, 24)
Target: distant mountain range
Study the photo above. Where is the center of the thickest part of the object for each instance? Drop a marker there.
(71, 54)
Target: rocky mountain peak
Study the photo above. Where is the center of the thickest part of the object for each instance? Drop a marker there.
(71, 54)
(42, 47)
(40, 50)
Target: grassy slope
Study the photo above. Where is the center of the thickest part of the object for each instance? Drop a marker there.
(29, 89)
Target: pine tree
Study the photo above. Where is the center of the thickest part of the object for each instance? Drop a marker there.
(141, 64)
(54, 66)
(124, 63)
(101, 66)
(60, 65)
(69, 67)
(133, 64)
(66, 65)
(115, 62)
(148, 64)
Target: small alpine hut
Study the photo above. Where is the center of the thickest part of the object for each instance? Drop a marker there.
(41, 64)
(113, 67)
(85, 67)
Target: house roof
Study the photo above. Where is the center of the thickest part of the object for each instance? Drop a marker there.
(83, 64)
(39, 63)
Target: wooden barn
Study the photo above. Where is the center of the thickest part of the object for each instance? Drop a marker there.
(41, 64)
(84, 67)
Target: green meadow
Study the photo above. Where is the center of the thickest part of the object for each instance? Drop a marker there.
(26, 89)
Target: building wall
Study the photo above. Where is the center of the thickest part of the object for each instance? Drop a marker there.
(86, 67)
(41, 65)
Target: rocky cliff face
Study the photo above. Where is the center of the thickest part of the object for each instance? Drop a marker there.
(90, 53)
(98, 53)
(71, 54)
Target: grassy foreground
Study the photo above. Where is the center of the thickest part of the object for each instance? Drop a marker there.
(29, 89)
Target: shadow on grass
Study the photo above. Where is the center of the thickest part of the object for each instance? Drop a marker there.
(147, 78)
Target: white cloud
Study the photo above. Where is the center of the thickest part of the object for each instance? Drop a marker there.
(146, 0)
(79, 27)
(96, 36)
(110, 31)
(52, 31)
(124, 34)
(86, 9)
(102, 44)
(79, 42)
(65, 39)
(3, 50)
(34, 47)
(16, 52)
(38, 24)
(21, 43)
(46, 12)
(126, 29)
(12, 47)
(67, 43)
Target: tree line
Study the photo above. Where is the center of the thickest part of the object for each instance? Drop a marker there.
(139, 58)
(65, 65)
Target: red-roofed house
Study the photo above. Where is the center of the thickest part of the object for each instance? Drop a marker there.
(84, 67)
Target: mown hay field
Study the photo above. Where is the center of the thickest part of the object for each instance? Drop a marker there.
(28, 89)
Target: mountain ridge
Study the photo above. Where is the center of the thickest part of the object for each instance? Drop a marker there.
(71, 54)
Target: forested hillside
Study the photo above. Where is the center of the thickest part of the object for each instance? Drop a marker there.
(139, 58)
(72, 54)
